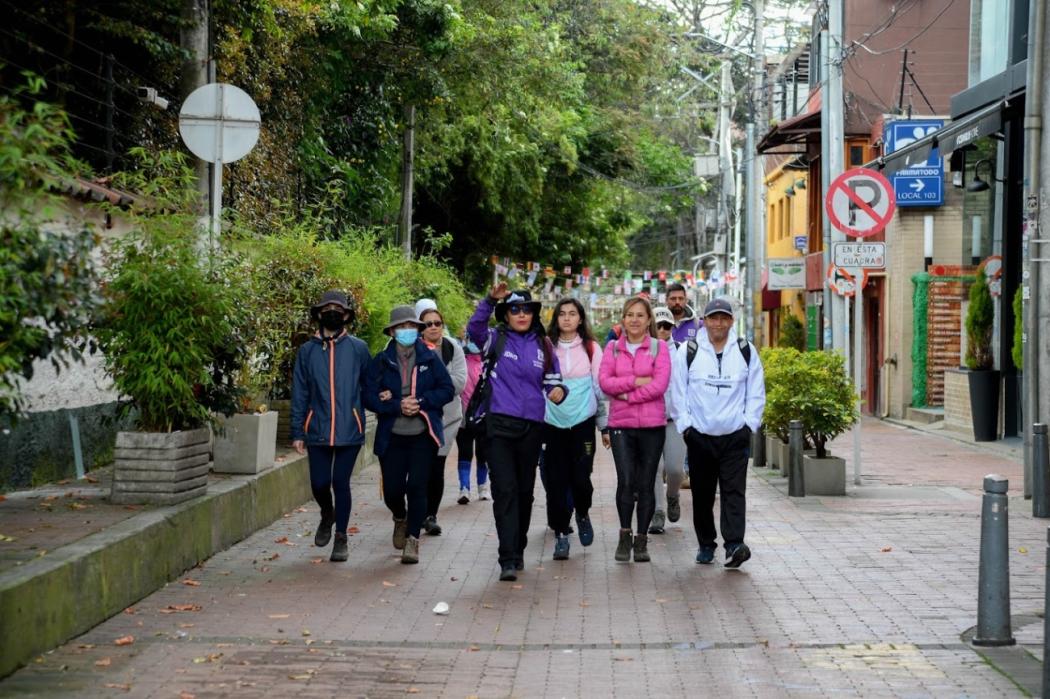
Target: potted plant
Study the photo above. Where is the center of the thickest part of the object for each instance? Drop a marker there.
(779, 363)
(983, 378)
(792, 333)
(163, 327)
(826, 404)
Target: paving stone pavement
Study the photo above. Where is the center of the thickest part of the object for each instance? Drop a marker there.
(862, 596)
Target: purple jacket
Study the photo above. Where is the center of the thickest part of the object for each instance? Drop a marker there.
(687, 328)
(519, 381)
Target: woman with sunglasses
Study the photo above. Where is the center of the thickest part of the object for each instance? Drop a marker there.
(452, 356)
(526, 368)
(569, 435)
(635, 373)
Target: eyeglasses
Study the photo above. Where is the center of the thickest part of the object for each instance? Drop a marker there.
(433, 324)
(516, 310)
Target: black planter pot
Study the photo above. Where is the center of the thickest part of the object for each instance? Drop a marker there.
(984, 404)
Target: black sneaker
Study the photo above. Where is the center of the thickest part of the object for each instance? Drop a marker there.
(507, 572)
(586, 530)
(674, 508)
(431, 526)
(706, 554)
(324, 529)
(519, 564)
(340, 550)
(561, 548)
(736, 555)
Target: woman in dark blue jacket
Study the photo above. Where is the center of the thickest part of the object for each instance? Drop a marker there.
(327, 419)
(407, 386)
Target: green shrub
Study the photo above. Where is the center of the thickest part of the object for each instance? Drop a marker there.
(779, 364)
(792, 333)
(826, 402)
(979, 318)
(1017, 348)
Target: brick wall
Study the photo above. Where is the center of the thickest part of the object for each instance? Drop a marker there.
(957, 415)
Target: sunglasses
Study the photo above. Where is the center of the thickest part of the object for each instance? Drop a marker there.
(433, 324)
(516, 310)
(665, 326)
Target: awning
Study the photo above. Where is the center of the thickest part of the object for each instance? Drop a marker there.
(959, 133)
(797, 129)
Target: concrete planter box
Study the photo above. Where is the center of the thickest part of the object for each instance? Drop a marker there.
(772, 453)
(824, 476)
(160, 468)
(784, 457)
(246, 443)
(284, 420)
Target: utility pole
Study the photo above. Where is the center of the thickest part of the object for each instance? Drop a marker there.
(407, 162)
(755, 237)
(834, 153)
(194, 41)
(725, 159)
(756, 185)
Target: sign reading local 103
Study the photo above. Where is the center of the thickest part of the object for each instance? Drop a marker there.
(922, 185)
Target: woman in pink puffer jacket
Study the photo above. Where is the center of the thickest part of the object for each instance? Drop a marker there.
(635, 372)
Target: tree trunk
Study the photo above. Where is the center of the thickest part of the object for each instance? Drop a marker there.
(193, 38)
(407, 162)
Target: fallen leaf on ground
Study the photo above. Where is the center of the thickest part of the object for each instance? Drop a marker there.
(2, 498)
(279, 616)
(486, 605)
(517, 587)
(210, 658)
(114, 685)
(173, 608)
(387, 583)
(91, 479)
(124, 641)
(305, 676)
(886, 549)
(281, 642)
(585, 603)
(191, 583)
(474, 648)
(274, 557)
(77, 506)
(86, 646)
(317, 560)
(264, 569)
(104, 662)
(187, 695)
(130, 610)
(132, 507)
(306, 632)
(186, 626)
(300, 509)
(413, 690)
(64, 481)
(352, 530)
(6, 538)
(1022, 550)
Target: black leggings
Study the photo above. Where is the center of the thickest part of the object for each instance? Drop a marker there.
(568, 459)
(330, 469)
(512, 469)
(467, 441)
(637, 455)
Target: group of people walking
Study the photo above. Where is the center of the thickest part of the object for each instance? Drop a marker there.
(667, 389)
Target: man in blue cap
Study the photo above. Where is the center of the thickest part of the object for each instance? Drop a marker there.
(718, 395)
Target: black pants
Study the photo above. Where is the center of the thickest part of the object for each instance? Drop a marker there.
(718, 462)
(512, 470)
(436, 484)
(568, 460)
(467, 441)
(406, 469)
(637, 455)
(330, 469)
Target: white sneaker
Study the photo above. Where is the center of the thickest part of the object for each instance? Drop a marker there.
(483, 491)
(464, 496)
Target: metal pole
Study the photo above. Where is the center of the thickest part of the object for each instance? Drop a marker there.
(796, 480)
(1031, 282)
(216, 180)
(1046, 620)
(825, 183)
(1040, 472)
(858, 369)
(835, 150)
(759, 118)
(755, 238)
(993, 578)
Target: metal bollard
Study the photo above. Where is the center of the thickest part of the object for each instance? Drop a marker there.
(1040, 472)
(1046, 620)
(796, 483)
(993, 578)
(758, 448)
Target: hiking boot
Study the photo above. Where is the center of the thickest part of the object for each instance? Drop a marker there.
(324, 529)
(657, 525)
(623, 549)
(586, 529)
(519, 563)
(674, 508)
(431, 526)
(561, 548)
(736, 555)
(705, 554)
(464, 496)
(641, 549)
(508, 572)
(483, 492)
(340, 550)
(400, 532)
(410, 554)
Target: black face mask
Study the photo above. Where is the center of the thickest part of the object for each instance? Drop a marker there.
(332, 320)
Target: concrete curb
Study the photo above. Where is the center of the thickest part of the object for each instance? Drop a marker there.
(46, 602)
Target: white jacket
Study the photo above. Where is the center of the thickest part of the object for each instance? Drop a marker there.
(713, 399)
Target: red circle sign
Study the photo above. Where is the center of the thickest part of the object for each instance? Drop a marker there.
(860, 202)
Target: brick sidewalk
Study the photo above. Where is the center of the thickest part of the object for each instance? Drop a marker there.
(859, 596)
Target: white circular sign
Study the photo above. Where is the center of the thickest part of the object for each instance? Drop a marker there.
(219, 123)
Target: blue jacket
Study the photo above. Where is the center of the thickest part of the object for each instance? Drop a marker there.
(327, 387)
(431, 385)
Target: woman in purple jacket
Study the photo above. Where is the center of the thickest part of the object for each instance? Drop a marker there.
(525, 369)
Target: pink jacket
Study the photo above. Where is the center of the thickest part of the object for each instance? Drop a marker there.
(475, 362)
(644, 406)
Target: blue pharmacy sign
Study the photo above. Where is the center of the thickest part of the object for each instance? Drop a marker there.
(922, 185)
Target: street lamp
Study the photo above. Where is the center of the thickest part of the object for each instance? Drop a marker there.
(978, 184)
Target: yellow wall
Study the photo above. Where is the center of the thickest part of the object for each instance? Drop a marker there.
(786, 217)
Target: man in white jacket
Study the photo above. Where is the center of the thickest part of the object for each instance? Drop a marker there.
(718, 393)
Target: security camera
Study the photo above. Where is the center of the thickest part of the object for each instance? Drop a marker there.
(149, 95)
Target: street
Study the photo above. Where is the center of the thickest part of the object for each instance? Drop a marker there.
(865, 595)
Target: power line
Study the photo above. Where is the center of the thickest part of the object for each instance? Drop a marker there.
(925, 29)
(66, 61)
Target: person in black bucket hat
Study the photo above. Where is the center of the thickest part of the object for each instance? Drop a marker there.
(327, 416)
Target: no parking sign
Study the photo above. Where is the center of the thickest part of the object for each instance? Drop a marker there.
(860, 202)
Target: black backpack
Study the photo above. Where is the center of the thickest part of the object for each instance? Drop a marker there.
(743, 344)
(447, 351)
(481, 399)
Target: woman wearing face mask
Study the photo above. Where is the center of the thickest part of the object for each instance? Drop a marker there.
(407, 386)
(569, 435)
(468, 442)
(452, 416)
(635, 373)
(526, 369)
(327, 420)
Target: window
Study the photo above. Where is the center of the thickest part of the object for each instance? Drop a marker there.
(989, 24)
(856, 156)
